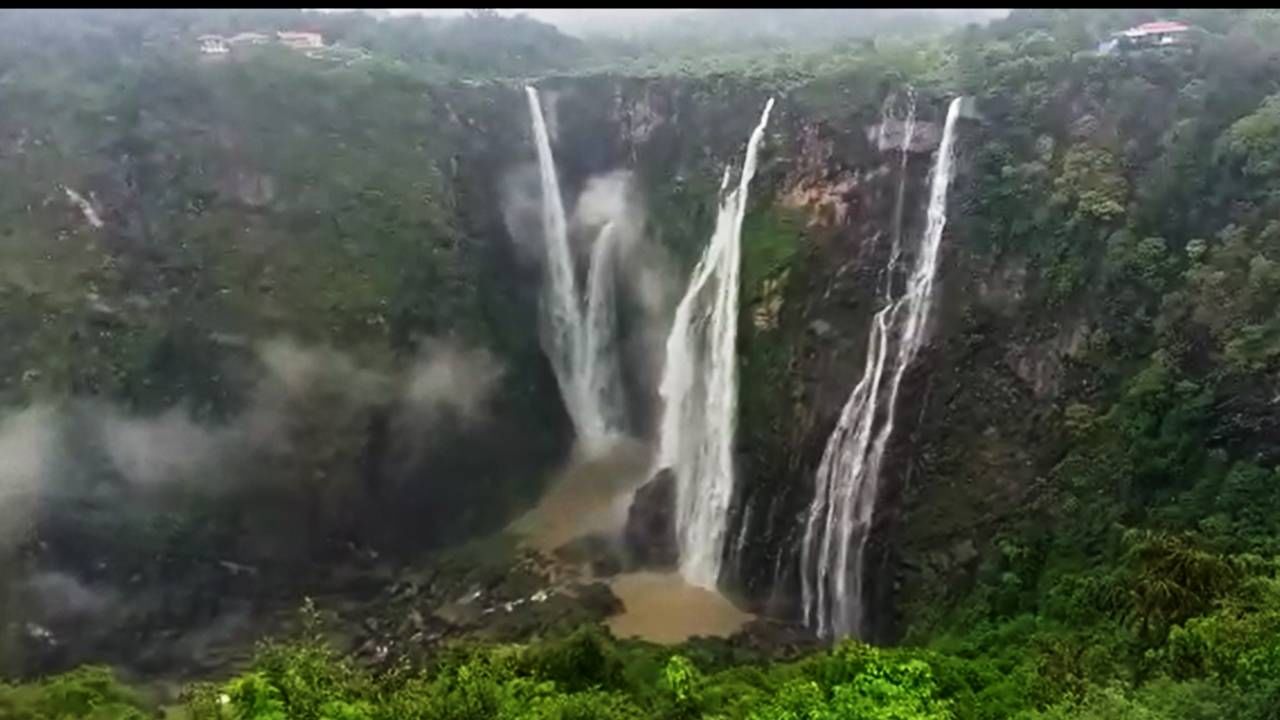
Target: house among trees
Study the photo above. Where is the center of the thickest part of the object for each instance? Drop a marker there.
(219, 45)
(301, 40)
(1162, 33)
(248, 38)
(213, 45)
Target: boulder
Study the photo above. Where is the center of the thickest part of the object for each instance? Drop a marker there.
(650, 533)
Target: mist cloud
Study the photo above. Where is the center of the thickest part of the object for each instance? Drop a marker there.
(648, 274)
(28, 445)
(298, 369)
(60, 596)
(300, 387)
(448, 378)
(610, 198)
(298, 442)
(151, 451)
(521, 205)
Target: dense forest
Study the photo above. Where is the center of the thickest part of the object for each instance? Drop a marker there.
(274, 398)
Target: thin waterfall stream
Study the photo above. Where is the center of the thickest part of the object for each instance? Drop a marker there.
(848, 477)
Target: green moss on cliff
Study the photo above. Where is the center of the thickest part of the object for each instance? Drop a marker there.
(772, 243)
(771, 238)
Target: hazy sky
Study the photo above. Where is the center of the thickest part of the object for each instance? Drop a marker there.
(574, 20)
(567, 19)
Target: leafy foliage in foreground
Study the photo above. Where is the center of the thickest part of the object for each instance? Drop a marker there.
(585, 675)
(1093, 656)
(88, 692)
(1220, 659)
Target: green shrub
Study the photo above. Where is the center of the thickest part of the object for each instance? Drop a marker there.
(583, 660)
(87, 693)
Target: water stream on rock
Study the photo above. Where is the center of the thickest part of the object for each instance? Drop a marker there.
(848, 476)
(699, 386)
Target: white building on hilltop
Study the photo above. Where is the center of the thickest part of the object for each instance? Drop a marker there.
(248, 38)
(213, 45)
(1162, 33)
(301, 40)
(219, 45)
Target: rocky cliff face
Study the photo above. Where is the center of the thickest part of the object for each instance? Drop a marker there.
(981, 415)
(815, 243)
(843, 192)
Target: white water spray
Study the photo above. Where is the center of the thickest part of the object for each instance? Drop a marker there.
(699, 386)
(848, 477)
(581, 349)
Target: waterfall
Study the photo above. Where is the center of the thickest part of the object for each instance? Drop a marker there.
(602, 376)
(848, 477)
(580, 349)
(699, 385)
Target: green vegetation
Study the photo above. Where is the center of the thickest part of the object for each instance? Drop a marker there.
(1137, 190)
(1140, 580)
(1223, 662)
(91, 693)
(480, 44)
(585, 674)
(271, 195)
(770, 327)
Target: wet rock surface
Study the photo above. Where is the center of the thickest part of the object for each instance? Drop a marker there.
(776, 639)
(493, 592)
(650, 533)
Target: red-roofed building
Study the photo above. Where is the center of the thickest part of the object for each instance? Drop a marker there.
(1163, 26)
(1152, 34)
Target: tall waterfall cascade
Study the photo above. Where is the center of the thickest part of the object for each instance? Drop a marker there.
(848, 478)
(602, 375)
(699, 386)
(578, 341)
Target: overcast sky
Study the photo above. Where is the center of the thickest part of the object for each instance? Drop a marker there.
(573, 20)
(576, 20)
